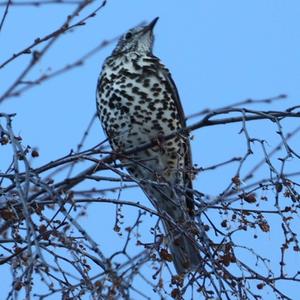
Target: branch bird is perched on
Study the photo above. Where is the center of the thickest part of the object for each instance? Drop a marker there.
(137, 102)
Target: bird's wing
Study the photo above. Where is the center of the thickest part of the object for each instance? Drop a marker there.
(170, 84)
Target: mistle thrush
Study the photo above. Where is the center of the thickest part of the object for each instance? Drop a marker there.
(138, 103)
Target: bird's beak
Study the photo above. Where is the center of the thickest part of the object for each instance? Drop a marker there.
(151, 25)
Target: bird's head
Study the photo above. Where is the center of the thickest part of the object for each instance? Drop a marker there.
(138, 39)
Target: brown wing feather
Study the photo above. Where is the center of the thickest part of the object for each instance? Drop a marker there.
(188, 156)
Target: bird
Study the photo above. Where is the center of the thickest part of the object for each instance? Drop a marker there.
(138, 104)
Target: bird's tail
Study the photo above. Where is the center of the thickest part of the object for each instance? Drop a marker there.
(186, 256)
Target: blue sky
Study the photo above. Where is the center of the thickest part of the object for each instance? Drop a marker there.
(219, 52)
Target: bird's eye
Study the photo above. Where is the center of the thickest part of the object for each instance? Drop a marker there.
(128, 35)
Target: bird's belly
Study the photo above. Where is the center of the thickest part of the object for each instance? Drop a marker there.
(133, 123)
(136, 126)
